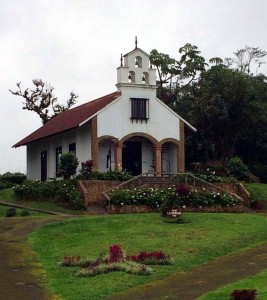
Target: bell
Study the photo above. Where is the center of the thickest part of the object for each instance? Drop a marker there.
(136, 63)
(130, 76)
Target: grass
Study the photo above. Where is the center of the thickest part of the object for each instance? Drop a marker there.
(258, 191)
(7, 195)
(257, 282)
(199, 239)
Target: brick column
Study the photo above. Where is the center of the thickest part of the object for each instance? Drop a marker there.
(181, 150)
(94, 143)
(158, 149)
(118, 156)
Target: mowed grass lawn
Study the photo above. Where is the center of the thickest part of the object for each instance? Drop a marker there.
(199, 239)
(258, 191)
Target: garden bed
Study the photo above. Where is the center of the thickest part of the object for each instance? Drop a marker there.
(127, 209)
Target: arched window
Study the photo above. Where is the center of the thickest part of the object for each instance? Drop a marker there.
(145, 78)
(138, 62)
(131, 77)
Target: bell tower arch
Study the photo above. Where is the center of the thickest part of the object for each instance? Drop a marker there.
(136, 73)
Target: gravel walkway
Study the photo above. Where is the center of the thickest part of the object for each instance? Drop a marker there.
(17, 280)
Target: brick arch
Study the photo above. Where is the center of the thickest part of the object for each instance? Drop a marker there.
(170, 140)
(107, 137)
(140, 134)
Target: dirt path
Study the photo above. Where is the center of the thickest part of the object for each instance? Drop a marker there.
(18, 264)
(19, 267)
(191, 285)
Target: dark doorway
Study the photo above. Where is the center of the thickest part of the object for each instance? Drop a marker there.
(43, 166)
(132, 157)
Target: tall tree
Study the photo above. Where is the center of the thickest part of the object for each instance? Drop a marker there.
(229, 107)
(174, 75)
(245, 57)
(41, 100)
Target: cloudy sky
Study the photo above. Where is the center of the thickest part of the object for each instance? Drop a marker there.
(76, 46)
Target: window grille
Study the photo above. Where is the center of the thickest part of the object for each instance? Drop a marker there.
(139, 109)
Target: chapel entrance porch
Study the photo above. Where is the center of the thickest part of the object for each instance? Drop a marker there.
(139, 153)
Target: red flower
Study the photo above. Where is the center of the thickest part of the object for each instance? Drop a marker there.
(115, 253)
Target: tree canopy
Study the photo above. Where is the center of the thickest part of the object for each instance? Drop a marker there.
(223, 100)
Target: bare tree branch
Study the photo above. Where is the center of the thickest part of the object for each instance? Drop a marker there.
(42, 101)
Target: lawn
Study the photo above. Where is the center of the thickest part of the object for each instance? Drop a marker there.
(7, 195)
(199, 239)
(258, 191)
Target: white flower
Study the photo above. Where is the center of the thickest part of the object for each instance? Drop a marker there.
(121, 203)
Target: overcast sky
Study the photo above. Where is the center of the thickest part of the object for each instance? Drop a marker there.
(76, 44)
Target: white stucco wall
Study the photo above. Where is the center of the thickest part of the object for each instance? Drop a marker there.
(115, 119)
(103, 149)
(81, 136)
(147, 157)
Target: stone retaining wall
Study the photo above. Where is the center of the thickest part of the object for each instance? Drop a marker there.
(92, 189)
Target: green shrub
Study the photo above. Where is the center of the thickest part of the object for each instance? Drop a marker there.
(238, 169)
(4, 185)
(14, 178)
(68, 165)
(215, 178)
(63, 192)
(24, 213)
(11, 212)
(112, 175)
(260, 171)
(86, 170)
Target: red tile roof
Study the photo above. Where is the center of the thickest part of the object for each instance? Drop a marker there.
(69, 119)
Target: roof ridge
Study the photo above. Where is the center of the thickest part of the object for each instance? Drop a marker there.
(91, 101)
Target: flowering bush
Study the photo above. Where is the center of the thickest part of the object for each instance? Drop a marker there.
(116, 260)
(148, 196)
(86, 170)
(244, 295)
(215, 178)
(112, 175)
(63, 192)
(151, 258)
(87, 173)
(176, 196)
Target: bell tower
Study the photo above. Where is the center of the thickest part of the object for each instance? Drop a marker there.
(135, 74)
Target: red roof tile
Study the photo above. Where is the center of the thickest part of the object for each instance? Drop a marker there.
(69, 119)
